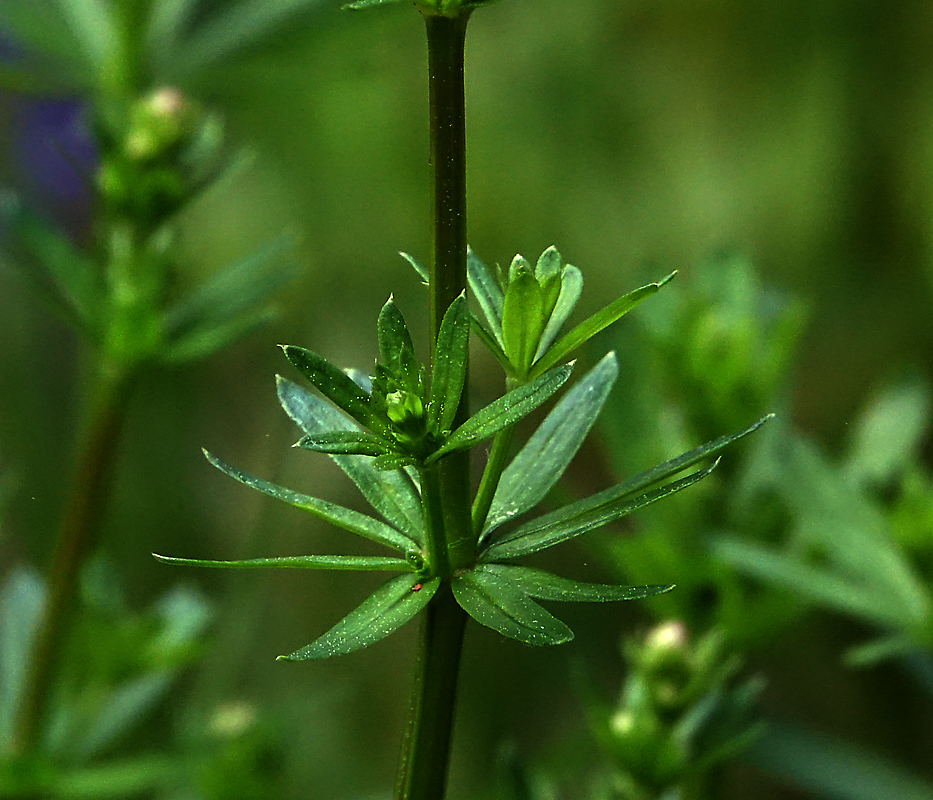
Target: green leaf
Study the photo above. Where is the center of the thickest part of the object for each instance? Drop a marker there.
(544, 458)
(344, 442)
(116, 779)
(487, 339)
(830, 768)
(522, 318)
(337, 386)
(488, 294)
(383, 612)
(22, 600)
(166, 24)
(395, 345)
(548, 275)
(203, 340)
(450, 364)
(360, 5)
(345, 518)
(125, 705)
(831, 589)
(78, 290)
(594, 324)
(571, 287)
(890, 433)
(545, 586)
(579, 518)
(392, 494)
(505, 411)
(548, 266)
(888, 647)
(235, 290)
(643, 480)
(393, 461)
(298, 562)
(97, 32)
(417, 266)
(231, 31)
(499, 604)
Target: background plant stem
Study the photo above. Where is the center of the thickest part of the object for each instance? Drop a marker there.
(426, 748)
(76, 540)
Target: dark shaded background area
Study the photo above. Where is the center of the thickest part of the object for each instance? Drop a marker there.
(639, 137)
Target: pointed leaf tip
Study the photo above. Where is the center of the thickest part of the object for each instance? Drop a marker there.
(382, 613)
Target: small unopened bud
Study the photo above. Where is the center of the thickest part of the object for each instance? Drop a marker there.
(667, 637)
(404, 407)
(622, 722)
(159, 121)
(232, 719)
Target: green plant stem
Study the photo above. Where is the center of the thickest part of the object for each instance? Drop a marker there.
(446, 36)
(425, 756)
(495, 464)
(76, 541)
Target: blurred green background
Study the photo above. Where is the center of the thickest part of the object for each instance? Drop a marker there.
(639, 136)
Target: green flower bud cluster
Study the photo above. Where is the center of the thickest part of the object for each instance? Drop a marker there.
(409, 420)
(155, 154)
(681, 711)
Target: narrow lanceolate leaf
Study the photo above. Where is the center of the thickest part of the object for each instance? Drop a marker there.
(544, 458)
(375, 563)
(593, 325)
(354, 443)
(545, 586)
(488, 294)
(579, 518)
(493, 344)
(392, 461)
(360, 5)
(395, 345)
(571, 287)
(548, 266)
(77, 286)
(392, 494)
(236, 290)
(450, 364)
(522, 318)
(96, 27)
(22, 601)
(499, 604)
(548, 275)
(342, 517)
(505, 411)
(416, 265)
(337, 386)
(382, 613)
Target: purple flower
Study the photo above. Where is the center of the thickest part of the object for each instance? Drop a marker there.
(55, 159)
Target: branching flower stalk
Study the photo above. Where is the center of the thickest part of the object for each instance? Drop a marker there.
(404, 435)
(156, 153)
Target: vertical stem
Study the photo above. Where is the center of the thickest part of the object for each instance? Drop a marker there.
(446, 37)
(76, 540)
(490, 480)
(446, 489)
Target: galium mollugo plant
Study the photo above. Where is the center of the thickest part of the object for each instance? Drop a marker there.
(403, 436)
(388, 433)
